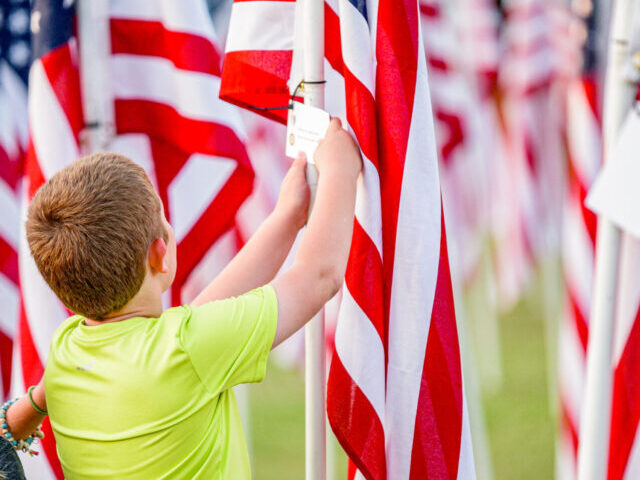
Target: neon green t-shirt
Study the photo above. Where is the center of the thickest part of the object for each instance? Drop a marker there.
(151, 398)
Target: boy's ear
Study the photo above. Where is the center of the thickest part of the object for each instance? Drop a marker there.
(157, 256)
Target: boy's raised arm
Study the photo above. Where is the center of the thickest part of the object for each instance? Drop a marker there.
(321, 261)
(263, 255)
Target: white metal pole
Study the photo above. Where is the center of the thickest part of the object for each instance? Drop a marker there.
(596, 412)
(315, 418)
(95, 49)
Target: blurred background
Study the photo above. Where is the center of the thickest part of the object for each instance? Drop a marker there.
(516, 90)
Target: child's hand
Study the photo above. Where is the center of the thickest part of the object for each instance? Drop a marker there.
(338, 150)
(293, 201)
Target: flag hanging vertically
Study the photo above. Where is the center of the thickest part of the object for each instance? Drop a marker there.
(395, 395)
(541, 54)
(458, 124)
(584, 154)
(164, 76)
(15, 56)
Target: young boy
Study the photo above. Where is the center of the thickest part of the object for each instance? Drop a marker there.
(135, 392)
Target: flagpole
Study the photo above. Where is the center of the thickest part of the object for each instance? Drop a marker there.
(315, 384)
(94, 38)
(595, 417)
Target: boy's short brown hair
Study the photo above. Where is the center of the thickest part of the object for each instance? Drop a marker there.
(89, 229)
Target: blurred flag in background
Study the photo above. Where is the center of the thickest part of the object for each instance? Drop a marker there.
(584, 158)
(164, 78)
(15, 57)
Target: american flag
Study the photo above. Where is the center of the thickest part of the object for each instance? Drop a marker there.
(395, 397)
(541, 55)
(584, 153)
(457, 105)
(15, 55)
(584, 148)
(164, 76)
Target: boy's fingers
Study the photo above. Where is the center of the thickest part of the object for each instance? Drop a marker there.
(301, 159)
(335, 124)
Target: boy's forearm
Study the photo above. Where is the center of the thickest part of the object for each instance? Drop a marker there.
(257, 263)
(318, 270)
(327, 241)
(22, 417)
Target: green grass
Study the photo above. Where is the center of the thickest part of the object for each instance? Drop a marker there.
(520, 427)
(277, 427)
(519, 423)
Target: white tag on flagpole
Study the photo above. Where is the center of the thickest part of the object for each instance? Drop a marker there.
(306, 127)
(616, 190)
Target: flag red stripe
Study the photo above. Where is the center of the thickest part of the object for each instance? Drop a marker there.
(186, 51)
(333, 40)
(8, 261)
(625, 407)
(32, 170)
(355, 423)
(6, 360)
(579, 320)
(364, 278)
(439, 414)
(589, 218)
(10, 170)
(257, 79)
(395, 89)
(161, 121)
(62, 73)
(570, 428)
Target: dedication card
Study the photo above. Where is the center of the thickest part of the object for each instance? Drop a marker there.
(616, 190)
(306, 127)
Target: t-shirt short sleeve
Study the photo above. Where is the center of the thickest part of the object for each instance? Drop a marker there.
(228, 341)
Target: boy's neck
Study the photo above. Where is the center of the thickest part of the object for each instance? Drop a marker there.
(146, 303)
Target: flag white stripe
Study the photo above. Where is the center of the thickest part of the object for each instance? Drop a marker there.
(585, 150)
(251, 17)
(355, 335)
(13, 114)
(632, 471)
(414, 278)
(187, 16)
(192, 94)
(9, 299)
(9, 215)
(194, 188)
(466, 466)
(356, 47)
(52, 137)
(367, 198)
(577, 256)
(572, 361)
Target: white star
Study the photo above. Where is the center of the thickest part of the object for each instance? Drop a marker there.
(18, 21)
(67, 3)
(19, 54)
(35, 22)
